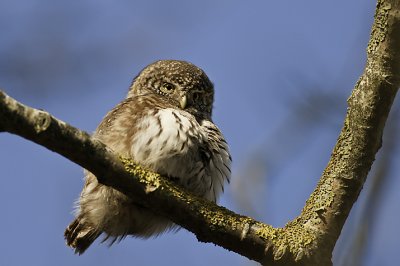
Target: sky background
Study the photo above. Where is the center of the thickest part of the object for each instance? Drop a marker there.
(282, 72)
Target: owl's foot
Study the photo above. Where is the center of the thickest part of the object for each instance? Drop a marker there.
(80, 236)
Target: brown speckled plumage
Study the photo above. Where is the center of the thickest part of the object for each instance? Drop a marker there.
(163, 124)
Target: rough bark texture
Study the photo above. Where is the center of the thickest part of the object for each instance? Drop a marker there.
(307, 240)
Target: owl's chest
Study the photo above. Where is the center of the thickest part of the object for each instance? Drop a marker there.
(168, 141)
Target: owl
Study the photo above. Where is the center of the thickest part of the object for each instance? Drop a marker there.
(165, 125)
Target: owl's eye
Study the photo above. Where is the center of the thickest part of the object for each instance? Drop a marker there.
(196, 96)
(167, 87)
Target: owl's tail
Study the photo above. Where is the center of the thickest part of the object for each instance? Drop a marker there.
(80, 236)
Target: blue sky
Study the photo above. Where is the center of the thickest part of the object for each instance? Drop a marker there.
(282, 71)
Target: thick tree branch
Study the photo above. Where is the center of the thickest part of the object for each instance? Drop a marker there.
(307, 240)
(361, 137)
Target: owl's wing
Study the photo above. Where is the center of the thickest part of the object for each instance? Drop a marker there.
(114, 130)
(219, 157)
(119, 125)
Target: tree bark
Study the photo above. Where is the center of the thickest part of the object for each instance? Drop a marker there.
(307, 240)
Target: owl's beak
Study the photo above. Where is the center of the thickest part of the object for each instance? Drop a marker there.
(183, 101)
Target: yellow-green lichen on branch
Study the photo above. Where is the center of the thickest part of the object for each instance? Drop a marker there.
(150, 179)
(379, 29)
(216, 219)
(294, 237)
(220, 217)
(154, 181)
(266, 232)
(298, 237)
(321, 199)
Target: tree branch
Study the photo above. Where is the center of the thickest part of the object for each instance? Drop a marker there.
(361, 137)
(307, 240)
(208, 221)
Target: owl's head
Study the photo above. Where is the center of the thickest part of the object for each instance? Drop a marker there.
(181, 83)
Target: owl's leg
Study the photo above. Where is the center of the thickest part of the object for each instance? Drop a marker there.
(80, 236)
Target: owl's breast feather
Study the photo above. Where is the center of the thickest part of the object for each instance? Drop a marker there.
(167, 142)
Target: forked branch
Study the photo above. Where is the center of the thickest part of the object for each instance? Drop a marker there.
(307, 240)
